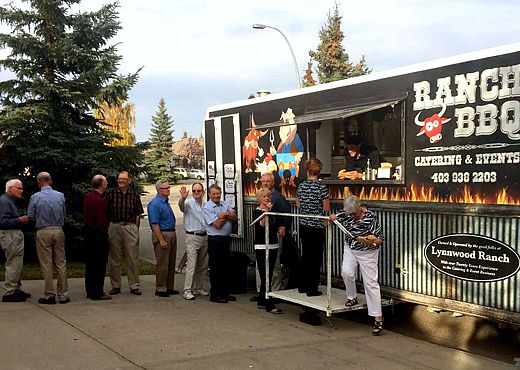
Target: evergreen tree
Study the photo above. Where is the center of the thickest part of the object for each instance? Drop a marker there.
(158, 158)
(332, 60)
(62, 67)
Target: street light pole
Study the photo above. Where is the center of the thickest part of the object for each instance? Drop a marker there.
(259, 26)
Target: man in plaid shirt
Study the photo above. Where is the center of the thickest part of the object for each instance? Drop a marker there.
(124, 209)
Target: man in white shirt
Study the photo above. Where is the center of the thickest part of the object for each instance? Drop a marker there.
(196, 241)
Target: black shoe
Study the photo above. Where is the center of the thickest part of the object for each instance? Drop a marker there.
(13, 297)
(162, 294)
(65, 301)
(21, 293)
(218, 300)
(172, 292)
(253, 298)
(104, 297)
(135, 291)
(315, 293)
(302, 290)
(378, 327)
(114, 291)
(231, 298)
(48, 300)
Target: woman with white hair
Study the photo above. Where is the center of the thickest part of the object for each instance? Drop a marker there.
(363, 250)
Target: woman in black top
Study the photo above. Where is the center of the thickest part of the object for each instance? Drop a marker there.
(264, 197)
(312, 199)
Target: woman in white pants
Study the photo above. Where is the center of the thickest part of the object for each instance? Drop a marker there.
(362, 250)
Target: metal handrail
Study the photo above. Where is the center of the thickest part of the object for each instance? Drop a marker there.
(329, 249)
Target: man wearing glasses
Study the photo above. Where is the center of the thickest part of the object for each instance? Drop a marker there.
(162, 222)
(218, 216)
(196, 241)
(124, 210)
(11, 240)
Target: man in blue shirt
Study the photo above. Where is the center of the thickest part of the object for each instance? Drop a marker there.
(47, 209)
(218, 216)
(12, 241)
(164, 239)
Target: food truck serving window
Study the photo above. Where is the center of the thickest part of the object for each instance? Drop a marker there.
(373, 131)
(367, 145)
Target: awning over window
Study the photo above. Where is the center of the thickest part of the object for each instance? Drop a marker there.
(334, 113)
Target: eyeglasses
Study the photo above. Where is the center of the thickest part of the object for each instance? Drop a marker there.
(166, 188)
(197, 191)
(18, 187)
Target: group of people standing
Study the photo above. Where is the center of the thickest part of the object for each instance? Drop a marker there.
(361, 248)
(112, 221)
(47, 210)
(111, 228)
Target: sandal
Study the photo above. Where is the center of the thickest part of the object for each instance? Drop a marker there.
(378, 327)
(276, 311)
(351, 302)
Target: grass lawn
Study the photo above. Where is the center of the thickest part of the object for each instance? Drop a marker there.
(31, 271)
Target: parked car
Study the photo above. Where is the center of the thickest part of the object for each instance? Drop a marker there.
(180, 172)
(196, 174)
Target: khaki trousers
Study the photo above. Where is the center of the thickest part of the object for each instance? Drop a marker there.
(50, 246)
(12, 244)
(123, 236)
(197, 262)
(165, 261)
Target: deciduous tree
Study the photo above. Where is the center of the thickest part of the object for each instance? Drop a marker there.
(118, 118)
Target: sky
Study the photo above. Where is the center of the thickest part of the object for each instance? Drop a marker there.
(196, 54)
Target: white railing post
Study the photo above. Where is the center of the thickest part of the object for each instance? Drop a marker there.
(267, 282)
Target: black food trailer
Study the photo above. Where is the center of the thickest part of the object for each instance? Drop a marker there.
(446, 189)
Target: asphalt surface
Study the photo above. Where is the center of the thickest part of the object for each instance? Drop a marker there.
(149, 332)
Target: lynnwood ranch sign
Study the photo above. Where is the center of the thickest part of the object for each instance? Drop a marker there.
(472, 257)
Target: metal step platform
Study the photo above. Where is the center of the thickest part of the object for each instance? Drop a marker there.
(337, 300)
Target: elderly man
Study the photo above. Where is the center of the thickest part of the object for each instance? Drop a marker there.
(124, 209)
(196, 241)
(218, 216)
(164, 239)
(47, 208)
(11, 240)
(96, 239)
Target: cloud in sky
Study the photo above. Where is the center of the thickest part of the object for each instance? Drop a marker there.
(201, 53)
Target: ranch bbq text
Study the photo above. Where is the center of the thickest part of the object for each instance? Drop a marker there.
(491, 84)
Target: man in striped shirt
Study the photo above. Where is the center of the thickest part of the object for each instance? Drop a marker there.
(124, 209)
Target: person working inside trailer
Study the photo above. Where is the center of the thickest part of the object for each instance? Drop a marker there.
(360, 157)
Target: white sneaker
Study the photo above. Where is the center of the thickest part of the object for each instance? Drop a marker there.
(188, 295)
(200, 292)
